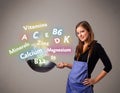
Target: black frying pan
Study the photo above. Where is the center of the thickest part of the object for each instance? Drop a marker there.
(41, 68)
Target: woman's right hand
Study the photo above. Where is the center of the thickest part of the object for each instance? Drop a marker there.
(60, 65)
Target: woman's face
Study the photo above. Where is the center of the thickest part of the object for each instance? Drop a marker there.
(82, 34)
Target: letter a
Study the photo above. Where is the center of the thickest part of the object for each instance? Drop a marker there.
(24, 37)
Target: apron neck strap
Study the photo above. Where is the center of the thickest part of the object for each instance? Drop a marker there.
(88, 57)
(90, 50)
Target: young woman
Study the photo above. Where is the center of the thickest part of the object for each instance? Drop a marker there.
(88, 52)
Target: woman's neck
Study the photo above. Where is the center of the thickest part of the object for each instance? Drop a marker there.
(85, 47)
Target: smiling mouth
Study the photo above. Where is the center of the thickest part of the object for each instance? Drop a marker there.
(81, 37)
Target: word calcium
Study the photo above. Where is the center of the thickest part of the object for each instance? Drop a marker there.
(31, 53)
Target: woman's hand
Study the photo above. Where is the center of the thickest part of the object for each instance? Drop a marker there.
(60, 65)
(63, 64)
(92, 81)
(89, 81)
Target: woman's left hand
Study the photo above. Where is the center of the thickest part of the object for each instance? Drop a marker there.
(89, 81)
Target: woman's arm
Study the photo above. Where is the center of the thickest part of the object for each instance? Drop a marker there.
(107, 66)
(92, 81)
(104, 58)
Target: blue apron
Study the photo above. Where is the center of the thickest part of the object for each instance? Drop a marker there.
(77, 75)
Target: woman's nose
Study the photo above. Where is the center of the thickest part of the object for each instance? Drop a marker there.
(80, 35)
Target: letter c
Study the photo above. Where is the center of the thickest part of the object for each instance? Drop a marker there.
(36, 35)
(22, 56)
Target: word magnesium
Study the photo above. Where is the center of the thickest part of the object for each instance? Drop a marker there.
(59, 50)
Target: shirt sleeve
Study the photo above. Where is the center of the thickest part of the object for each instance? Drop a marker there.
(104, 58)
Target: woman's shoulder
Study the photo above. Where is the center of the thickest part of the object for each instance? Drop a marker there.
(98, 46)
(95, 43)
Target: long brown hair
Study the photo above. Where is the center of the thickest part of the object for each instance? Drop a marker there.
(79, 47)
